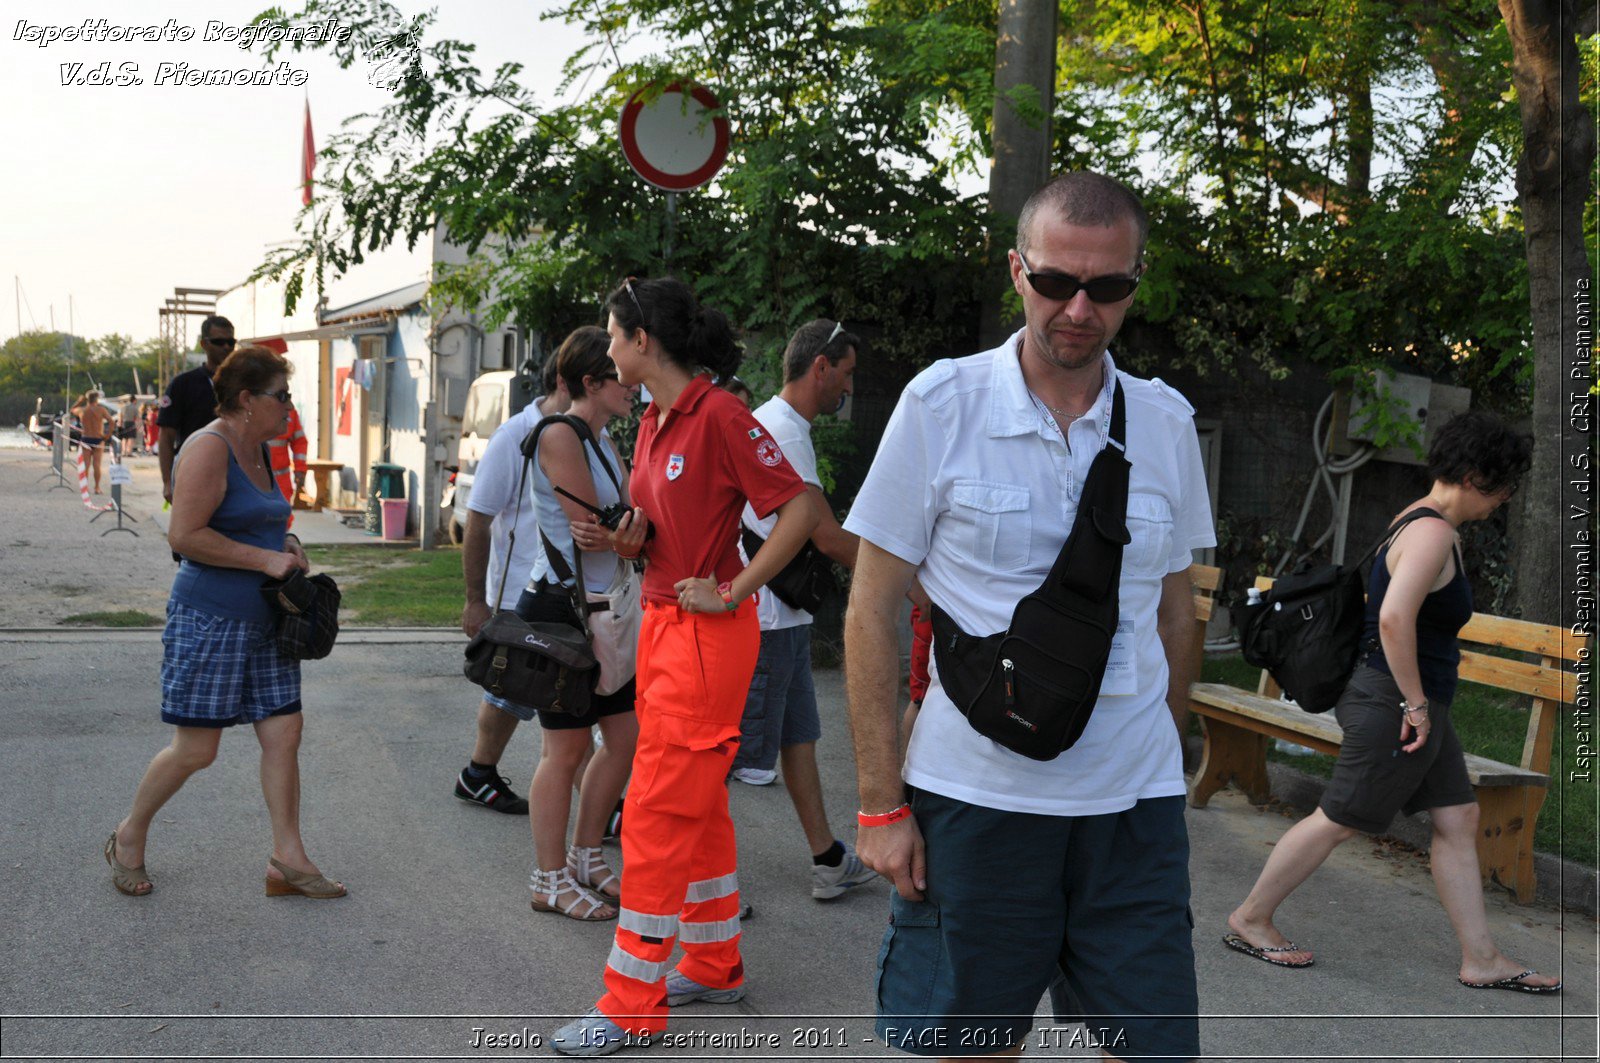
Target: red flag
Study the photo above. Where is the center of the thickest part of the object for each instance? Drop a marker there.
(308, 160)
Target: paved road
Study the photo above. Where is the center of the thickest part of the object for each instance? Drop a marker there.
(437, 939)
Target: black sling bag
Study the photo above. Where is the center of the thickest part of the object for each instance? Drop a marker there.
(1032, 686)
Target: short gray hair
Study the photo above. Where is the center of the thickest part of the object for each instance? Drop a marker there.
(1082, 197)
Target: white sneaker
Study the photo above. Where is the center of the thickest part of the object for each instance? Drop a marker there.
(828, 882)
(755, 776)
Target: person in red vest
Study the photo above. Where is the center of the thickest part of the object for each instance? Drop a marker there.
(288, 454)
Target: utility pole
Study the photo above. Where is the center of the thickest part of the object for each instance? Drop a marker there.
(1024, 65)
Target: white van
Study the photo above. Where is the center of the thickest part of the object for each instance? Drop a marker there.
(493, 399)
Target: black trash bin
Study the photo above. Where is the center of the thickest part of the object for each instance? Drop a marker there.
(383, 481)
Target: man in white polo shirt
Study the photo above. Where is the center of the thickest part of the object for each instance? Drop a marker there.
(1008, 869)
(492, 513)
(780, 712)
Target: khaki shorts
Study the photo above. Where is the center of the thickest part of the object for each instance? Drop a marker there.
(1374, 778)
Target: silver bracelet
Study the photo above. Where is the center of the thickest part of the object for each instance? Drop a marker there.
(1407, 709)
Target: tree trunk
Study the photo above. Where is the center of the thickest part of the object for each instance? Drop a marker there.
(1552, 179)
(1025, 56)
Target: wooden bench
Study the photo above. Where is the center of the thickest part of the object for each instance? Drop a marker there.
(1238, 724)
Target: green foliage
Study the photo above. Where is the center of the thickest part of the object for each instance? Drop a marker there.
(844, 149)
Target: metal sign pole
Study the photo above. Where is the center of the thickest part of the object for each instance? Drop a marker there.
(672, 229)
(120, 474)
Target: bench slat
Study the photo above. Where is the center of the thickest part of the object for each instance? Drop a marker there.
(1547, 640)
(1524, 678)
(1220, 701)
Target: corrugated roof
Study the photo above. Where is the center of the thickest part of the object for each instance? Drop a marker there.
(395, 301)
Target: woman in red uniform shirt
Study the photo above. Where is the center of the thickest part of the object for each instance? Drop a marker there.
(699, 457)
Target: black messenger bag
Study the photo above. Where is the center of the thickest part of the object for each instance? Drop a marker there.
(1032, 686)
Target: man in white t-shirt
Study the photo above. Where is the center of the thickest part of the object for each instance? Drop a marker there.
(492, 513)
(1008, 869)
(780, 712)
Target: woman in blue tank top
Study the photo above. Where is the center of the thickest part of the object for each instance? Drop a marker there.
(220, 664)
(1399, 752)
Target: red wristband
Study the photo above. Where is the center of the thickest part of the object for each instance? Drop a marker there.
(883, 819)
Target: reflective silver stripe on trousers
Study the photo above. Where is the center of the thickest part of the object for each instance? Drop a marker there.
(703, 933)
(631, 966)
(653, 926)
(711, 888)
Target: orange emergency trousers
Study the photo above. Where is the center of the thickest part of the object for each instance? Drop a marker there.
(680, 859)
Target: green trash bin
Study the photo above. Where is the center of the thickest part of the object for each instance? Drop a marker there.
(383, 481)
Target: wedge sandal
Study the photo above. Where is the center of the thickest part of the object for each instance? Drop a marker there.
(130, 880)
(302, 884)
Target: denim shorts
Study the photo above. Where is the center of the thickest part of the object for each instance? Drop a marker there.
(781, 708)
(1093, 908)
(217, 672)
(1374, 778)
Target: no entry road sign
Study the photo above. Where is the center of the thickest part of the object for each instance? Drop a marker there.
(673, 141)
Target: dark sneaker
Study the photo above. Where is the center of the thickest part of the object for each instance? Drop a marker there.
(492, 791)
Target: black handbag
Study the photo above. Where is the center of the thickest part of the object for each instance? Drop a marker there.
(805, 582)
(545, 664)
(308, 614)
(1305, 630)
(1033, 686)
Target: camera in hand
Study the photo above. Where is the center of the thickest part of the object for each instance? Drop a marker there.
(609, 516)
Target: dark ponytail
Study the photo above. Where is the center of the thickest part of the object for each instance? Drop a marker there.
(691, 335)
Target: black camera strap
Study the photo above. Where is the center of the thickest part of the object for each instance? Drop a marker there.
(558, 564)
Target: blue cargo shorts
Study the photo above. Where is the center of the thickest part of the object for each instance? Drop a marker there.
(1093, 908)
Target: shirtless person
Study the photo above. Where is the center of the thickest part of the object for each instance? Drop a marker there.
(98, 424)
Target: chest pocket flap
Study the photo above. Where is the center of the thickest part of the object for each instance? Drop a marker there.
(1000, 521)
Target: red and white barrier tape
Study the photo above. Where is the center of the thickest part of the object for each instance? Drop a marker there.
(83, 485)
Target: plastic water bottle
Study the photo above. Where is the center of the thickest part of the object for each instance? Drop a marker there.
(1252, 596)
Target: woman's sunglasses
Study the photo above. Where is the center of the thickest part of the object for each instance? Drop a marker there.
(1061, 287)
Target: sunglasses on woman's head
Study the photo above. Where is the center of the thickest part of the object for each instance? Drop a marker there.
(1062, 287)
(627, 286)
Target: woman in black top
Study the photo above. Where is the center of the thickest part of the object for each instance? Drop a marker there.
(1399, 750)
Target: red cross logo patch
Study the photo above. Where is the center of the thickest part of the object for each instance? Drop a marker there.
(674, 466)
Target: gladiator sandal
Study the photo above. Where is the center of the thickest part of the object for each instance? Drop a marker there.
(550, 886)
(589, 869)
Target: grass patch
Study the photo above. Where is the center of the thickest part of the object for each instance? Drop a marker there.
(1491, 723)
(121, 618)
(387, 587)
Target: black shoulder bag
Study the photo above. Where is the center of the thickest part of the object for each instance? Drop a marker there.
(805, 582)
(1032, 687)
(1305, 629)
(545, 664)
(308, 614)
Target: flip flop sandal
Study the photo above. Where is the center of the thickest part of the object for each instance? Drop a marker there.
(127, 879)
(1263, 953)
(1514, 983)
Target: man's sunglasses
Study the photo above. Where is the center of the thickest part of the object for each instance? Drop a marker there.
(1062, 287)
(218, 341)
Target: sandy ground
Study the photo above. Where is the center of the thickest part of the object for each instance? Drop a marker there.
(58, 561)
